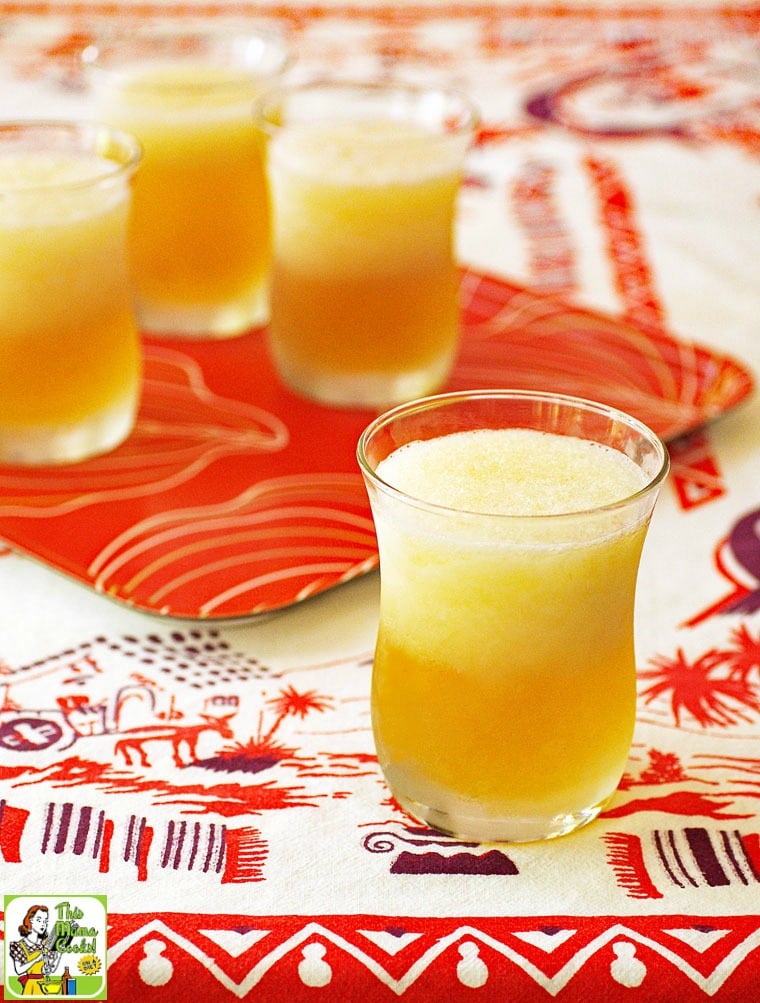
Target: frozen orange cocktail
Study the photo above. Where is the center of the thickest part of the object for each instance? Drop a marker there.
(69, 347)
(510, 528)
(201, 225)
(364, 182)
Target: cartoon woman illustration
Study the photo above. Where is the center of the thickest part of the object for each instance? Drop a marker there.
(32, 956)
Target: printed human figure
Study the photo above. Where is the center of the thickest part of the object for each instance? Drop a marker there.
(33, 958)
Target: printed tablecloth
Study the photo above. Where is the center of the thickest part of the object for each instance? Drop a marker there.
(216, 781)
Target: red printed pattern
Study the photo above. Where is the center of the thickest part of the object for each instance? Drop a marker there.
(367, 958)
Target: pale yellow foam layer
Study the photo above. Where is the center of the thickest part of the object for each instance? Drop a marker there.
(190, 88)
(21, 171)
(366, 153)
(55, 189)
(512, 472)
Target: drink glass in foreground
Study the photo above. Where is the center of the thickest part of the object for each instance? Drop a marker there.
(69, 346)
(510, 526)
(200, 227)
(364, 180)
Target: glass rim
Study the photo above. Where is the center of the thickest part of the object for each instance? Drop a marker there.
(91, 136)
(441, 400)
(95, 56)
(466, 121)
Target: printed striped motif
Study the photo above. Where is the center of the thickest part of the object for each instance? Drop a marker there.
(201, 847)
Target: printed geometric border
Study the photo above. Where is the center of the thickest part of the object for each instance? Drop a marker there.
(372, 959)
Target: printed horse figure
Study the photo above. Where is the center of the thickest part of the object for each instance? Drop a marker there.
(135, 739)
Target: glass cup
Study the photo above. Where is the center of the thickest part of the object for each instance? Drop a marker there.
(200, 227)
(363, 181)
(69, 346)
(504, 684)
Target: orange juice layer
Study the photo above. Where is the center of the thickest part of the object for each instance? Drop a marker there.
(505, 671)
(68, 343)
(200, 228)
(363, 275)
(336, 319)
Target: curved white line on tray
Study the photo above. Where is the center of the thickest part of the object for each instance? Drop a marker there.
(688, 371)
(270, 439)
(135, 454)
(523, 311)
(142, 490)
(181, 527)
(366, 540)
(145, 487)
(355, 571)
(251, 585)
(670, 418)
(212, 529)
(196, 383)
(205, 426)
(565, 359)
(250, 560)
(643, 347)
(121, 493)
(298, 486)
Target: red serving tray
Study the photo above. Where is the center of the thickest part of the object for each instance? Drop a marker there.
(235, 497)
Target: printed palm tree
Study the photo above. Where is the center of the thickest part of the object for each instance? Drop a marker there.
(263, 751)
(695, 687)
(745, 656)
(291, 703)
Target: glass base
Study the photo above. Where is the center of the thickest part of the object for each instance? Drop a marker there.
(371, 390)
(491, 829)
(41, 445)
(225, 320)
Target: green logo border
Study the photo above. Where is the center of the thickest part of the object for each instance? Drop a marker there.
(97, 990)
